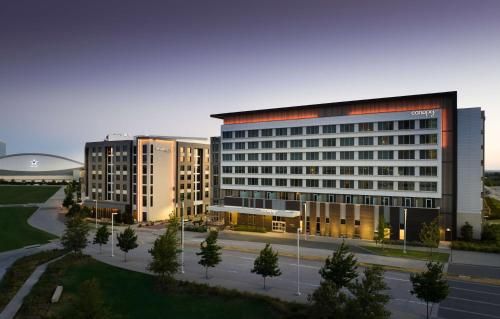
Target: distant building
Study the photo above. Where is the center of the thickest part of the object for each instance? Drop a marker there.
(3, 149)
(215, 170)
(151, 177)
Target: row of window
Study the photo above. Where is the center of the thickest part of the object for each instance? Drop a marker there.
(332, 128)
(331, 183)
(332, 155)
(332, 170)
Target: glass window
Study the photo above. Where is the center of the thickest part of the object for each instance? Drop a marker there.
(346, 184)
(227, 157)
(253, 181)
(312, 170)
(253, 133)
(294, 156)
(253, 169)
(365, 155)
(406, 186)
(312, 130)
(428, 124)
(406, 139)
(328, 129)
(312, 156)
(385, 155)
(346, 128)
(227, 146)
(296, 131)
(365, 127)
(266, 132)
(312, 183)
(281, 131)
(365, 184)
(428, 171)
(239, 157)
(266, 144)
(266, 181)
(347, 141)
(428, 139)
(253, 156)
(328, 142)
(296, 170)
(266, 157)
(227, 169)
(365, 140)
(239, 181)
(365, 170)
(227, 134)
(329, 170)
(240, 145)
(296, 183)
(385, 140)
(406, 154)
(280, 182)
(385, 126)
(387, 185)
(239, 169)
(253, 145)
(329, 156)
(312, 143)
(281, 144)
(406, 125)
(346, 155)
(347, 170)
(428, 186)
(239, 134)
(281, 156)
(428, 154)
(227, 180)
(406, 171)
(296, 143)
(329, 183)
(280, 169)
(385, 170)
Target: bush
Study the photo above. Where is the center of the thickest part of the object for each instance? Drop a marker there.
(466, 232)
(487, 247)
(491, 232)
(198, 229)
(249, 228)
(494, 206)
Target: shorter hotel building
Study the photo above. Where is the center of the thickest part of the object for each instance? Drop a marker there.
(339, 167)
(150, 177)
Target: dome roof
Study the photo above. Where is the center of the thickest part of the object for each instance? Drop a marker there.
(37, 162)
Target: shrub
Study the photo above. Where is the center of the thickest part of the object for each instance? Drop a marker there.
(466, 231)
(487, 247)
(250, 228)
(198, 229)
(491, 232)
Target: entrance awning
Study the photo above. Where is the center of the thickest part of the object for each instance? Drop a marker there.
(254, 211)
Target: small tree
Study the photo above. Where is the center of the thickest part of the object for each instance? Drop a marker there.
(75, 234)
(90, 302)
(165, 252)
(340, 269)
(127, 240)
(209, 252)
(328, 302)
(429, 235)
(68, 201)
(266, 264)
(369, 298)
(429, 285)
(466, 231)
(102, 236)
(380, 230)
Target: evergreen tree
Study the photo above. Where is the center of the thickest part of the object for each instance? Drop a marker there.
(266, 264)
(369, 300)
(466, 231)
(165, 252)
(75, 234)
(340, 269)
(102, 236)
(429, 285)
(127, 240)
(89, 303)
(429, 235)
(328, 302)
(209, 252)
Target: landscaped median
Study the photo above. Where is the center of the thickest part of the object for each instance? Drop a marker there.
(411, 254)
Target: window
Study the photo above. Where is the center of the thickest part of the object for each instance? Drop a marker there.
(428, 186)
(296, 143)
(312, 156)
(365, 155)
(227, 180)
(366, 140)
(406, 125)
(312, 130)
(312, 183)
(312, 170)
(406, 139)
(266, 144)
(385, 155)
(385, 126)
(365, 170)
(281, 156)
(312, 143)
(296, 131)
(365, 184)
(266, 181)
(253, 145)
(253, 181)
(296, 183)
(365, 127)
(280, 182)
(266, 169)
(406, 186)
(328, 142)
(428, 154)
(428, 139)
(253, 133)
(266, 157)
(227, 169)
(387, 185)
(280, 169)
(347, 141)
(329, 183)
(385, 140)
(329, 170)
(240, 145)
(406, 171)
(385, 170)
(329, 155)
(428, 171)
(239, 134)
(428, 124)
(328, 129)
(346, 184)
(346, 155)
(253, 157)
(281, 144)
(228, 134)
(347, 170)
(239, 157)
(239, 169)
(253, 169)
(227, 146)
(227, 157)
(346, 128)
(407, 154)
(266, 132)
(239, 181)
(294, 156)
(281, 132)
(296, 170)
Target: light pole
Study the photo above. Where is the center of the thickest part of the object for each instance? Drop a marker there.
(182, 239)
(404, 247)
(451, 244)
(305, 220)
(112, 234)
(298, 258)
(96, 212)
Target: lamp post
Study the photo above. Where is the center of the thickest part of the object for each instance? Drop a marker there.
(96, 211)
(448, 230)
(305, 220)
(404, 246)
(182, 239)
(298, 258)
(112, 234)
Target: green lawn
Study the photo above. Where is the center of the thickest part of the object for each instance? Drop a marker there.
(15, 232)
(494, 206)
(25, 194)
(135, 295)
(412, 254)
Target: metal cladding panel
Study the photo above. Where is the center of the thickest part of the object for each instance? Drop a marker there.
(414, 219)
(349, 220)
(334, 219)
(366, 222)
(395, 222)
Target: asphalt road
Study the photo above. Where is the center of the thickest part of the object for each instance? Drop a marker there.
(474, 270)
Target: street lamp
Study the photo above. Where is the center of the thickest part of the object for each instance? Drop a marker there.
(305, 220)
(112, 234)
(182, 239)
(404, 247)
(96, 212)
(299, 229)
(451, 244)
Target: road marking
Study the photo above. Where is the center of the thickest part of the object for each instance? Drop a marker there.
(246, 258)
(469, 312)
(472, 283)
(410, 301)
(476, 301)
(394, 278)
(478, 291)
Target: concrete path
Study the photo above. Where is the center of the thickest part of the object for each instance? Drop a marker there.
(50, 215)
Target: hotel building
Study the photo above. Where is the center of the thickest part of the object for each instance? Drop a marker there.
(341, 166)
(150, 177)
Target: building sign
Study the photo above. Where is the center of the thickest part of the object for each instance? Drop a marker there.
(426, 113)
(34, 163)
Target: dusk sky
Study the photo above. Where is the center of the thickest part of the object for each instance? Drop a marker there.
(74, 71)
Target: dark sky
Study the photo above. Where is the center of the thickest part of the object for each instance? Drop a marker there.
(73, 71)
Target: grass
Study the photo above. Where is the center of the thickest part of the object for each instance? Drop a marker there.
(136, 295)
(19, 271)
(15, 232)
(494, 206)
(25, 194)
(411, 254)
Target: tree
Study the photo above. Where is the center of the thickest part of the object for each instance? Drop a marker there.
(429, 285)
(369, 300)
(340, 269)
(75, 234)
(266, 264)
(429, 235)
(127, 240)
(466, 231)
(89, 303)
(68, 201)
(165, 252)
(209, 252)
(328, 302)
(102, 236)
(380, 230)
